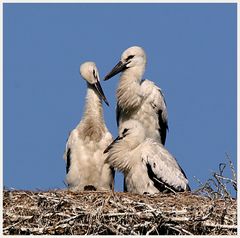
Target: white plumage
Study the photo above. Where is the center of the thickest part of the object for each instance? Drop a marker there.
(84, 149)
(139, 99)
(147, 166)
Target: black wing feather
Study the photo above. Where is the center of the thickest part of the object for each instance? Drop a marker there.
(162, 122)
(158, 183)
(68, 160)
(118, 113)
(163, 127)
(161, 185)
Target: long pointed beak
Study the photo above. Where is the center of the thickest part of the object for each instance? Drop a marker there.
(98, 86)
(111, 145)
(120, 66)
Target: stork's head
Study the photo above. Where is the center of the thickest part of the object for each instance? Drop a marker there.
(89, 72)
(131, 132)
(133, 58)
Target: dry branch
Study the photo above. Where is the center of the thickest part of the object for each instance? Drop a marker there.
(219, 186)
(65, 212)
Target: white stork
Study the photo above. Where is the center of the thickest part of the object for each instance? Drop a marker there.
(147, 166)
(139, 99)
(84, 156)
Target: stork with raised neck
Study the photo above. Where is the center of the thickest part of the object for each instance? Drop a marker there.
(85, 162)
(139, 99)
(147, 165)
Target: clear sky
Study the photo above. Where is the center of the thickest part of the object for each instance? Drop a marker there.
(192, 56)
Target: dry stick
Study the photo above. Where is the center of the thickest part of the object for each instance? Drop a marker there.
(220, 182)
(232, 168)
(12, 225)
(220, 226)
(221, 186)
(184, 230)
(178, 229)
(234, 183)
(165, 185)
(70, 219)
(152, 229)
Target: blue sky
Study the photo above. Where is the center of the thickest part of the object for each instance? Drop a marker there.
(191, 51)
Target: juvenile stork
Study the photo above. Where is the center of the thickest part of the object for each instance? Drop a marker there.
(139, 99)
(84, 156)
(147, 166)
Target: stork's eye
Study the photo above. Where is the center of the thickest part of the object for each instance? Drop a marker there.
(125, 131)
(129, 57)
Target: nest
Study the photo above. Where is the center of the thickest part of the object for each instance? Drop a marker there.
(107, 213)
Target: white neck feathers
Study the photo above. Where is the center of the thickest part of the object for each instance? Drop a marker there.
(92, 126)
(93, 107)
(128, 93)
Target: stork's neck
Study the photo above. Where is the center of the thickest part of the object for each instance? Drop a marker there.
(93, 107)
(129, 94)
(135, 72)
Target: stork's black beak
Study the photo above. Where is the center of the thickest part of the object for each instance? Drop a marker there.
(120, 66)
(111, 145)
(98, 87)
